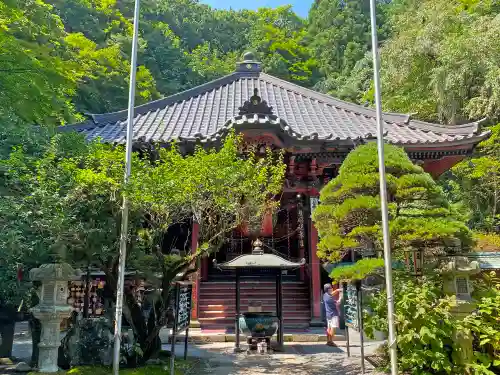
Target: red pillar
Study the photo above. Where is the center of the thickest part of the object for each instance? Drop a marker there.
(204, 269)
(195, 278)
(315, 267)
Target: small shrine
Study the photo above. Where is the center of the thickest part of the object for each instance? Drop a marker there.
(257, 325)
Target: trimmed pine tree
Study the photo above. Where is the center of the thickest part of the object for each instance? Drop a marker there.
(349, 215)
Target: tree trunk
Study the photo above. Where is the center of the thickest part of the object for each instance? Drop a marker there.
(150, 348)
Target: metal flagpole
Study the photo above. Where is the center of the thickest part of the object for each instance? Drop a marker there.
(124, 223)
(383, 193)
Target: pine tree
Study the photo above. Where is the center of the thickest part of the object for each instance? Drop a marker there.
(349, 215)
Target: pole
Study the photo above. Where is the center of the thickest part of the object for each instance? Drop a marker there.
(237, 348)
(279, 296)
(173, 337)
(359, 301)
(124, 223)
(383, 193)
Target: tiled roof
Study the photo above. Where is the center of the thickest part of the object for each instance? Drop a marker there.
(487, 261)
(207, 111)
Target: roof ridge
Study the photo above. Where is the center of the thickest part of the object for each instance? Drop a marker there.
(165, 101)
(328, 99)
(396, 118)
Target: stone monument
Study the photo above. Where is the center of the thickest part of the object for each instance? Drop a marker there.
(456, 273)
(52, 309)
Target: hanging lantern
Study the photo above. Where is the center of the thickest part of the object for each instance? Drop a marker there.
(263, 228)
(414, 260)
(268, 222)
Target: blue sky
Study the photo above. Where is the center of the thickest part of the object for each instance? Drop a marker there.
(301, 7)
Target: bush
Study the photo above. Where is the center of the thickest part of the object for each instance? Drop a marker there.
(425, 326)
(423, 322)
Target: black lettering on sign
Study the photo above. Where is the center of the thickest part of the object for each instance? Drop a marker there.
(183, 311)
(351, 306)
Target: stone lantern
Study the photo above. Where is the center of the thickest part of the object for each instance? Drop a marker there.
(456, 273)
(52, 309)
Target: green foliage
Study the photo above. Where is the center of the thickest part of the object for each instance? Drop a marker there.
(349, 213)
(475, 184)
(442, 60)
(64, 201)
(279, 36)
(339, 39)
(36, 81)
(67, 57)
(424, 325)
(358, 271)
(485, 324)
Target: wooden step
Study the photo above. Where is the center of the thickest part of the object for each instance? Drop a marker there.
(229, 321)
(226, 314)
(220, 305)
(243, 286)
(217, 302)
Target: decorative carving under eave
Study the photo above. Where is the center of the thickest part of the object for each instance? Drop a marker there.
(255, 105)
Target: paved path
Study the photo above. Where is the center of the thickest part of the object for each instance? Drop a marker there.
(219, 359)
(300, 359)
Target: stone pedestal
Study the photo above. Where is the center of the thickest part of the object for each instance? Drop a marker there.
(51, 310)
(456, 273)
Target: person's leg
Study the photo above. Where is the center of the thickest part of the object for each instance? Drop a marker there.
(335, 326)
(329, 337)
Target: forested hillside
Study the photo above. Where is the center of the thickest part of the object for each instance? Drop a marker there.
(63, 58)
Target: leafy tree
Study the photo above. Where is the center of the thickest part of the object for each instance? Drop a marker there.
(443, 60)
(340, 37)
(36, 82)
(279, 37)
(349, 214)
(105, 85)
(485, 325)
(476, 183)
(72, 195)
(208, 64)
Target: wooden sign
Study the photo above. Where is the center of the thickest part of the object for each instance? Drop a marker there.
(182, 308)
(351, 306)
(184, 295)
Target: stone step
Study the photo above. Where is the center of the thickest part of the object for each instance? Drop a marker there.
(268, 306)
(228, 321)
(227, 314)
(266, 301)
(232, 291)
(251, 285)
